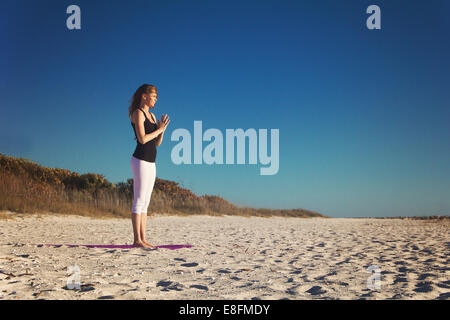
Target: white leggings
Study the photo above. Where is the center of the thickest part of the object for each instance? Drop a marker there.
(144, 176)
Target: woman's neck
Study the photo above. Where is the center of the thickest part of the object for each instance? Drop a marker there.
(145, 107)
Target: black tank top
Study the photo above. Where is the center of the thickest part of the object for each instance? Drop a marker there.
(146, 151)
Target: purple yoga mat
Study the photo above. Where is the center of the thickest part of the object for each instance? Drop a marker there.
(117, 246)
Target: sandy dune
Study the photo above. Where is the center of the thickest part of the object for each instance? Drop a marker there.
(231, 258)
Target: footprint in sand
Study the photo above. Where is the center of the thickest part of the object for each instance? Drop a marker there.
(298, 271)
(424, 276)
(400, 278)
(316, 290)
(444, 284)
(424, 286)
(170, 285)
(197, 286)
(179, 259)
(223, 271)
(192, 264)
(444, 296)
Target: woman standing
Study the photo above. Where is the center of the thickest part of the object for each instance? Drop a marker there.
(149, 135)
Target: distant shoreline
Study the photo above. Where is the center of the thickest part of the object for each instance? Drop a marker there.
(434, 217)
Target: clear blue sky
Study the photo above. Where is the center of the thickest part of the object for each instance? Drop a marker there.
(363, 114)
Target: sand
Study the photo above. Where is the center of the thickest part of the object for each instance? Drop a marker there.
(231, 258)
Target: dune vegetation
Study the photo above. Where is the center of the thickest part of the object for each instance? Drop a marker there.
(27, 187)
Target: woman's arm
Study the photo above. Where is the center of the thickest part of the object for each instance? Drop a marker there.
(159, 139)
(140, 129)
(159, 124)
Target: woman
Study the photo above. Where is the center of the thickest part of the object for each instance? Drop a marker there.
(149, 135)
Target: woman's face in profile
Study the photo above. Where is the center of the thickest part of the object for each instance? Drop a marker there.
(151, 99)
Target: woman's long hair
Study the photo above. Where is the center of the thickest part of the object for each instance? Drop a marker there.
(137, 96)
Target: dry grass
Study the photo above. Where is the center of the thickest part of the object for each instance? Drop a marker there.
(3, 215)
(27, 187)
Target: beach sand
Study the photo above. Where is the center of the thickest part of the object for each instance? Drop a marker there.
(231, 258)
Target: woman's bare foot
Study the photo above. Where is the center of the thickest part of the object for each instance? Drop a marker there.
(138, 244)
(148, 244)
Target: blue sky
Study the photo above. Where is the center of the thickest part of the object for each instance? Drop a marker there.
(362, 114)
